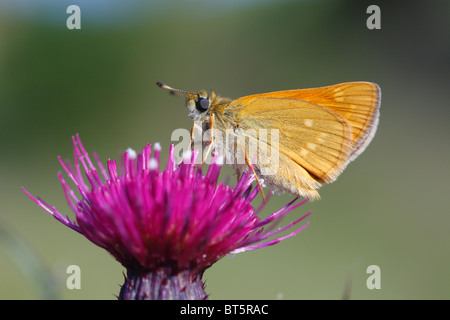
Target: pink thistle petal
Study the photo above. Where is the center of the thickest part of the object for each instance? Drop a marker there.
(52, 210)
(268, 243)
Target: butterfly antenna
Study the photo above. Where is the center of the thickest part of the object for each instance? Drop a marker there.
(172, 90)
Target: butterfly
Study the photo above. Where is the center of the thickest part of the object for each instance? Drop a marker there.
(314, 133)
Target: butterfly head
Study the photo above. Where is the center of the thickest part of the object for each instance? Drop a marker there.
(198, 104)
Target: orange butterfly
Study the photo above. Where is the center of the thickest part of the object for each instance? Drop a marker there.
(314, 133)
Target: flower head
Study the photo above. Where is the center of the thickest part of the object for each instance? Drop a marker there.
(165, 226)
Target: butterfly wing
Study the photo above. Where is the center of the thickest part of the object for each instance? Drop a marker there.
(320, 130)
(312, 136)
(357, 102)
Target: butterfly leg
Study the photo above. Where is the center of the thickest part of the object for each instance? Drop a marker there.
(247, 160)
(211, 139)
(238, 171)
(192, 137)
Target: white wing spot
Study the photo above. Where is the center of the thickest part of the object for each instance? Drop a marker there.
(312, 146)
(309, 122)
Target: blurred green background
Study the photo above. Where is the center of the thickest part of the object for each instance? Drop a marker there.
(389, 208)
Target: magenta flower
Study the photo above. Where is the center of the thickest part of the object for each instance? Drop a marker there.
(165, 227)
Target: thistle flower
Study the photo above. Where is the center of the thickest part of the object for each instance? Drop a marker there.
(165, 227)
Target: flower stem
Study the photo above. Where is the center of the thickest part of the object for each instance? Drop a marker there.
(163, 284)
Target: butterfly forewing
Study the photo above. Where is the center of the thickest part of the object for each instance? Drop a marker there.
(356, 102)
(310, 135)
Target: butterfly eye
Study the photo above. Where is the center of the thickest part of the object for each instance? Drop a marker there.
(202, 104)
